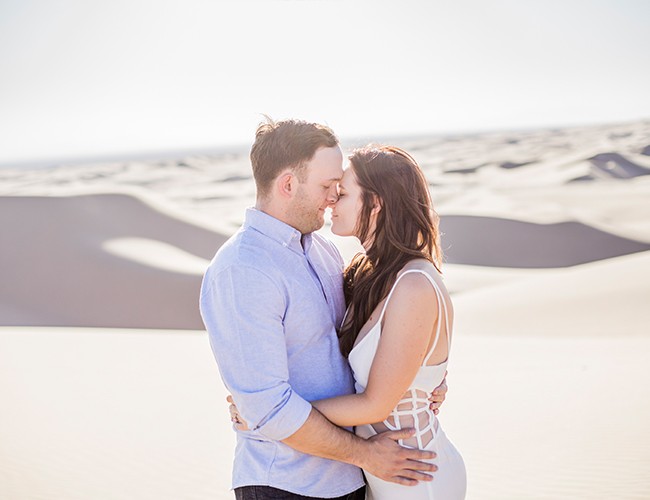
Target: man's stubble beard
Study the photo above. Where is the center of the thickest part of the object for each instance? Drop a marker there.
(306, 218)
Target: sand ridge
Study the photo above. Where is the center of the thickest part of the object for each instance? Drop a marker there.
(56, 271)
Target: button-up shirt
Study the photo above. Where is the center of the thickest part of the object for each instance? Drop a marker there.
(271, 300)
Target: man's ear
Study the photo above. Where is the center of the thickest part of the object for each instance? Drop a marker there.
(378, 205)
(286, 184)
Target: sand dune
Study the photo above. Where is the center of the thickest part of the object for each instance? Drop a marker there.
(110, 260)
(490, 241)
(617, 166)
(155, 253)
(600, 166)
(55, 271)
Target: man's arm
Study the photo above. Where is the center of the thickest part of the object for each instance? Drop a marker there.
(243, 311)
(379, 455)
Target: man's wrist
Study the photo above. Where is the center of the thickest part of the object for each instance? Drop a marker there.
(360, 448)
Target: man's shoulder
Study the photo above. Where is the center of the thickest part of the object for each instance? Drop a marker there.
(246, 249)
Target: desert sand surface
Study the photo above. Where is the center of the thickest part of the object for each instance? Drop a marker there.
(141, 414)
(110, 390)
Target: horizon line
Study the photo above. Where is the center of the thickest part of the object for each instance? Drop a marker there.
(241, 147)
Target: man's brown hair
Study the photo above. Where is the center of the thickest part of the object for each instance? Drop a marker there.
(286, 144)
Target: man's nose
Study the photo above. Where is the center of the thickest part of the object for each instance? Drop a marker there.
(332, 197)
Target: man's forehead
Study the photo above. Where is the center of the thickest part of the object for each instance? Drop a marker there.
(324, 177)
(327, 165)
(327, 174)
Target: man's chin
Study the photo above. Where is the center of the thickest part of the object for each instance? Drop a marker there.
(310, 228)
(318, 224)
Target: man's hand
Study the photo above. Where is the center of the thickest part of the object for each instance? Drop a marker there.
(235, 417)
(438, 396)
(389, 461)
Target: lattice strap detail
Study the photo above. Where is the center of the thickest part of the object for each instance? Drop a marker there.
(414, 413)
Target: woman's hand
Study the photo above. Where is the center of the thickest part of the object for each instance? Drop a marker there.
(438, 396)
(237, 420)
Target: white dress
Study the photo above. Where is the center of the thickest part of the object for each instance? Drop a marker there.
(450, 479)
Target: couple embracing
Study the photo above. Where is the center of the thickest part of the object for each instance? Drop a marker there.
(334, 370)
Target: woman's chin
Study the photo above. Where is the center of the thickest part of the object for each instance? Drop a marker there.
(336, 230)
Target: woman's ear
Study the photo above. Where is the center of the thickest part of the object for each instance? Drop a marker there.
(286, 184)
(377, 208)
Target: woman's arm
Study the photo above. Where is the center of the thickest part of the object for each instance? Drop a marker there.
(406, 334)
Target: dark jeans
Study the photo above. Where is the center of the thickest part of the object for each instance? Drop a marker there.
(269, 493)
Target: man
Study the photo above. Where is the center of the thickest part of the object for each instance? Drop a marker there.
(271, 301)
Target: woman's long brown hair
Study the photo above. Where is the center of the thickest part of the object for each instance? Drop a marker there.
(406, 229)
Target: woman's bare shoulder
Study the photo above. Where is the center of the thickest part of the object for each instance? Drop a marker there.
(418, 278)
(412, 298)
(415, 284)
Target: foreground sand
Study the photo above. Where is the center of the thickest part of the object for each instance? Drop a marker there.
(111, 414)
(547, 238)
(127, 414)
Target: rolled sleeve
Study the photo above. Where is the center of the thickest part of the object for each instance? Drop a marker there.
(243, 310)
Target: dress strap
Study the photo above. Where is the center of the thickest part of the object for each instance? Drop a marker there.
(440, 298)
(345, 316)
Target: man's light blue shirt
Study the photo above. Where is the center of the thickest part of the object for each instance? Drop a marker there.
(271, 300)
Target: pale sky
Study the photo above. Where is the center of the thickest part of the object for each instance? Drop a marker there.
(84, 78)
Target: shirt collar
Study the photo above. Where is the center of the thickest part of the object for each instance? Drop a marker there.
(275, 229)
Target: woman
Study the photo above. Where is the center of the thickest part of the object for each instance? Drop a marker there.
(397, 331)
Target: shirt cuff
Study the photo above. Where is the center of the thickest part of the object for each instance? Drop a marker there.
(287, 420)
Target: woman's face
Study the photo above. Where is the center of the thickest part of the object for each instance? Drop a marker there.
(345, 212)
